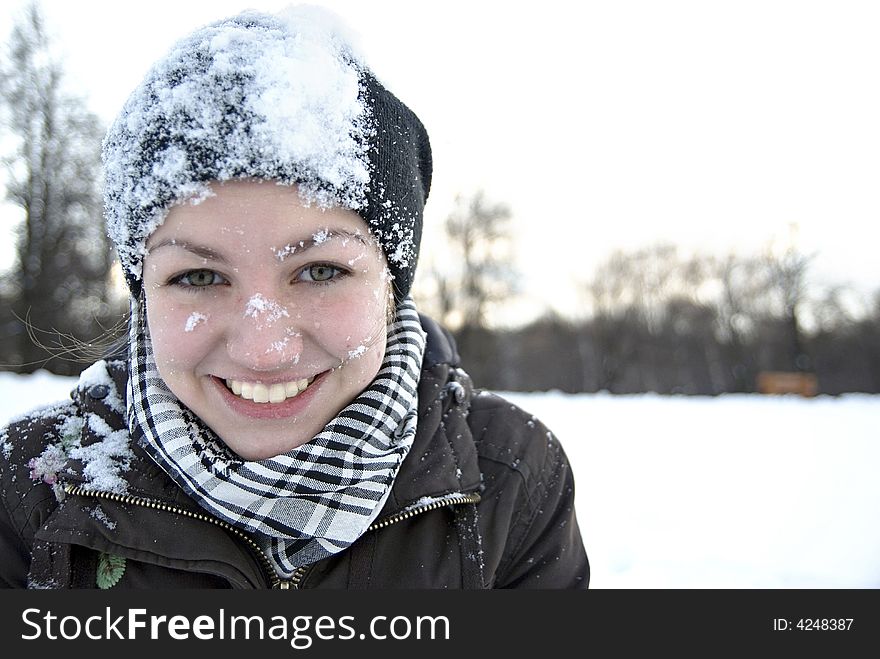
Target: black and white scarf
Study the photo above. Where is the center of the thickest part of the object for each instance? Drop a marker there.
(313, 501)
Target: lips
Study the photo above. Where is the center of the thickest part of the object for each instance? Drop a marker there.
(268, 393)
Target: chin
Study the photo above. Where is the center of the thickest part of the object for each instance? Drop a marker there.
(254, 449)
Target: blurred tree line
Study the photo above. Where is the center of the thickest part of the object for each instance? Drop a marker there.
(651, 319)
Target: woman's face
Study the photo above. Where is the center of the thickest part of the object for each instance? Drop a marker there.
(267, 317)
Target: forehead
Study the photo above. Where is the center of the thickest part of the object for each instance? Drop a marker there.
(254, 212)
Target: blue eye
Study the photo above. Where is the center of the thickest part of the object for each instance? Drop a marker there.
(198, 279)
(321, 272)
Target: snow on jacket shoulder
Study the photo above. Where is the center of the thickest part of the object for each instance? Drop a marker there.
(485, 499)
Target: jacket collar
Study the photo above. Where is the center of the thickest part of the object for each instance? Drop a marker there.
(443, 460)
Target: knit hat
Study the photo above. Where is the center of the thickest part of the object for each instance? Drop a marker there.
(282, 97)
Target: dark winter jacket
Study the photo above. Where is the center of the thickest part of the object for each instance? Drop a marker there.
(485, 499)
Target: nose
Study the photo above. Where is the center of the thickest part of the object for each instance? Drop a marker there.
(264, 337)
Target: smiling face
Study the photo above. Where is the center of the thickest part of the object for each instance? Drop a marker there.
(267, 317)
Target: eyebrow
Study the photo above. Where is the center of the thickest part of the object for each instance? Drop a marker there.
(199, 250)
(319, 238)
(292, 247)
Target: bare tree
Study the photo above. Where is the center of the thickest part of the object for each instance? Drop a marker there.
(640, 301)
(787, 274)
(740, 306)
(58, 284)
(477, 272)
(471, 279)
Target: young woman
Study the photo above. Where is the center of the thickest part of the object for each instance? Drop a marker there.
(283, 416)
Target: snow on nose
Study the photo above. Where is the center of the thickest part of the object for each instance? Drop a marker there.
(264, 310)
(263, 340)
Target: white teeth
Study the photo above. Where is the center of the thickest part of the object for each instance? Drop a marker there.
(247, 390)
(273, 393)
(277, 393)
(261, 393)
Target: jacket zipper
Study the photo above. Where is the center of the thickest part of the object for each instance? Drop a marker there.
(418, 510)
(277, 582)
(76, 490)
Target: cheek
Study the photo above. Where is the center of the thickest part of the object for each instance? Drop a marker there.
(179, 333)
(354, 324)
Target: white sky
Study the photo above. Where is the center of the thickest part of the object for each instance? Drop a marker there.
(712, 125)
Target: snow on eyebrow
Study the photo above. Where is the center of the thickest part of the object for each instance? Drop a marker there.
(321, 237)
(259, 307)
(285, 251)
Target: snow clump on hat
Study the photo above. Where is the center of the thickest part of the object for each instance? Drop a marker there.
(283, 97)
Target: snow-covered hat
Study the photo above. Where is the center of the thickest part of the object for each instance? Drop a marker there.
(283, 97)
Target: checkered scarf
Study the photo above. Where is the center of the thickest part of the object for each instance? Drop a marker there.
(313, 501)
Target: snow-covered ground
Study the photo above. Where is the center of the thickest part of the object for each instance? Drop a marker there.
(737, 491)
